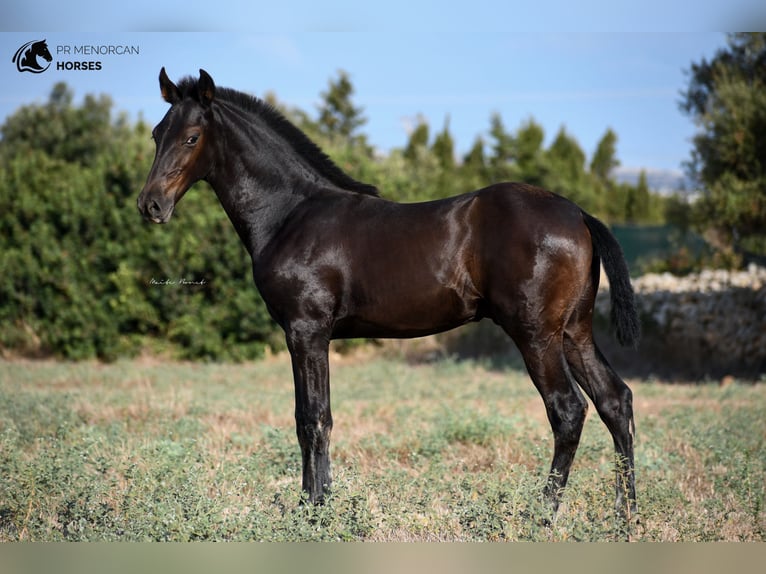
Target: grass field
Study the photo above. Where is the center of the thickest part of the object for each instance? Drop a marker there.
(148, 450)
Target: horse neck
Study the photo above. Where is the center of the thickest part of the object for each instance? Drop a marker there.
(259, 185)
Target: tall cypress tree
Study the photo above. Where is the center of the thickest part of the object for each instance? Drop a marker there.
(605, 158)
(339, 118)
(444, 148)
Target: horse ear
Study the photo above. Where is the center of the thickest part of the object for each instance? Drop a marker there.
(170, 92)
(205, 88)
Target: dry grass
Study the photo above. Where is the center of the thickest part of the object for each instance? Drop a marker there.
(147, 450)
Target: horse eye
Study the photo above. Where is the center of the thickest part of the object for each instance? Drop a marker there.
(191, 140)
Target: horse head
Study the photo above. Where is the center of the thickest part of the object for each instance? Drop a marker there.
(182, 155)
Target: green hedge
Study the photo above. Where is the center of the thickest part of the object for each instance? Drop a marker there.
(83, 276)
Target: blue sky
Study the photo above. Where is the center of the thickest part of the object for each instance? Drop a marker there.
(423, 60)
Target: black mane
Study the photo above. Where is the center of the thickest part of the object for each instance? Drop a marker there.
(298, 140)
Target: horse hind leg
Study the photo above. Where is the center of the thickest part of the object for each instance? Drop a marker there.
(613, 400)
(564, 404)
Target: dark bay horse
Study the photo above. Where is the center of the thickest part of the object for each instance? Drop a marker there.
(332, 259)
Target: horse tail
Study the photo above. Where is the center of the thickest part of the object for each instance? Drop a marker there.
(624, 314)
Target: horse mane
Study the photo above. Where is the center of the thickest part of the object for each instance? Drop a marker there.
(298, 140)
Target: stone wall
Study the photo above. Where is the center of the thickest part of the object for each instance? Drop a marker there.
(709, 324)
(703, 327)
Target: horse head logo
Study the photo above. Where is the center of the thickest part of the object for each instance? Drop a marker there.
(25, 57)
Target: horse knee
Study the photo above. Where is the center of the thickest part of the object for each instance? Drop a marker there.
(616, 408)
(567, 416)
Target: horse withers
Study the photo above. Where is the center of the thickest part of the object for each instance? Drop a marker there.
(332, 259)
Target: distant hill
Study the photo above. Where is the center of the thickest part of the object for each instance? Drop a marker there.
(665, 181)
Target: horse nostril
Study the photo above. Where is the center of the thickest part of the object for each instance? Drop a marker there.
(154, 208)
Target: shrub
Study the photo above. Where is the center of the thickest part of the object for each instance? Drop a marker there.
(83, 276)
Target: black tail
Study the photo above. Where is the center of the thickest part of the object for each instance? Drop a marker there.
(624, 314)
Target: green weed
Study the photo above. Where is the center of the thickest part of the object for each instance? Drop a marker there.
(143, 450)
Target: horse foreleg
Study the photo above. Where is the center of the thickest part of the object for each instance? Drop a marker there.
(313, 418)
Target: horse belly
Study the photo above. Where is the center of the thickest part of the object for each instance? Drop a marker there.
(408, 272)
(409, 307)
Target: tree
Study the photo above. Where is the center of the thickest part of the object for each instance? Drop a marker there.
(444, 148)
(602, 166)
(726, 97)
(503, 150)
(605, 158)
(637, 200)
(528, 151)
(567, 153)
(60, 129)
(418, 140)
(567, 160)
(338, 116)
(473, 171)
(474, 160)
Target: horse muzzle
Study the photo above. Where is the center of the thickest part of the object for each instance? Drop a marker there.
(156, 209)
